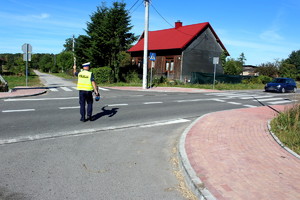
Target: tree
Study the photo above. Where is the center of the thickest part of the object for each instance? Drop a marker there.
(288, 70)
(65, 60)
(108, 35)
(294, 59)
(242, 58)
(268, 69)
(46, 63)
(233, 67)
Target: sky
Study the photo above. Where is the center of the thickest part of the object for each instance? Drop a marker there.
(264, 30)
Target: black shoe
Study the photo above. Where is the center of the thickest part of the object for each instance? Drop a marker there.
(90, 118)
(83, 120)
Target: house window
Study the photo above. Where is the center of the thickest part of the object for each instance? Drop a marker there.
(169, 65)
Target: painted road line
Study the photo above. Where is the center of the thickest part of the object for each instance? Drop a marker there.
(21, 110)
(191, 100)
(165, 123)
(279, 102)
(250, 106)
(53, 89)
(42, 99)
(270, 99)
(104, 89)
(122, 104)
(66, 89)
(219, 100)
(235, 103)
(158, 102)
(65, 108)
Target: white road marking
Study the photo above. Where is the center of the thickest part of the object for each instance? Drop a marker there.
(279, 102)
(146, 103)
(219, 100)
(250, 106)
(73, 107)
(83, 132)
(53, 89)
(190, 100)
(235, 103)
(104, 89)
(66, 89)
(121, 104)
(165, 123)
(42, 99)
(270, 99)
(21, 110)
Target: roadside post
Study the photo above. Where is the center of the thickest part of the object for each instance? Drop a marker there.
(152, 57)
(27, 49)
(215, 62)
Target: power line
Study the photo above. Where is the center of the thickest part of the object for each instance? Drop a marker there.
(133, 5)
(142, 1)
(167, 21)
(161, 15)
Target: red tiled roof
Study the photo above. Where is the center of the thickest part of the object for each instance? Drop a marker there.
(174, 38)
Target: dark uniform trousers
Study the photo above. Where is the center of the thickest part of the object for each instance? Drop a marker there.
(86, 97)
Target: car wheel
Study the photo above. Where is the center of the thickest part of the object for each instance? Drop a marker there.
(282, 90)
(295, 90)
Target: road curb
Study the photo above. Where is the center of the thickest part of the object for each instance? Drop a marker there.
(194, 182)
(280, 143)
(25, 95)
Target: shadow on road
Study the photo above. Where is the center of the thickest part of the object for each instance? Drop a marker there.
(105, 112)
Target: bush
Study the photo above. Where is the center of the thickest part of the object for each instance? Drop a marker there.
(257, 80)
(103, 75)
(132, 77)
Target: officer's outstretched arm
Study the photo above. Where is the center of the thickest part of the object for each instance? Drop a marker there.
(74, 69)
(95, 88)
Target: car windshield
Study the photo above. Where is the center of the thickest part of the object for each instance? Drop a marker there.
(279, 80)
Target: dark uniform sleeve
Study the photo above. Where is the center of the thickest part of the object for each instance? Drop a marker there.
(76, 74)
(92, 77)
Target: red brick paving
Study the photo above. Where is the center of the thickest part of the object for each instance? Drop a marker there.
(22, 92)
(235, 156)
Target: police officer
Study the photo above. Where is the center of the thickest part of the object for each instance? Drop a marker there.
(86, 85)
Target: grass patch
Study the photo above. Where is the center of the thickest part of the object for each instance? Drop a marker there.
(14, 81)
(286, 126)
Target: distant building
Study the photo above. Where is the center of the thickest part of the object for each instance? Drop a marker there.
(181, 50)
(249, 70)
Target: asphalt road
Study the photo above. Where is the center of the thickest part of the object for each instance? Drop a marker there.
(128, 152)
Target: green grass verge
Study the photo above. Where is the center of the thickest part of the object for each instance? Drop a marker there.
(15, 81)
(286, 126)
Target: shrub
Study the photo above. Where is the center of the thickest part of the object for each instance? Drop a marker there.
(132, 77)
(103, 75)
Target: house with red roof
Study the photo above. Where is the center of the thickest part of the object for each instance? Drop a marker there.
(181, 50)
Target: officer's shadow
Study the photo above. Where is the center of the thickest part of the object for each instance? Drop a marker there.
(105, 112)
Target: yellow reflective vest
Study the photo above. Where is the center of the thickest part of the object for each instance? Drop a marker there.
(84, 81)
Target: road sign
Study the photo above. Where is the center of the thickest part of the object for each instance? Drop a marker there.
(152, 56)
(216, 60)
(27, 49)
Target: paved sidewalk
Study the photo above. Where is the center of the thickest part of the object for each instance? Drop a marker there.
(233, 155)
(23, 92)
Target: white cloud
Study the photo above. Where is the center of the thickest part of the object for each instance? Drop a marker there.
(41, 16)
(271, 36)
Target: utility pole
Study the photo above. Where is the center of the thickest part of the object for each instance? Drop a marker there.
(73, 45)
(145, 62)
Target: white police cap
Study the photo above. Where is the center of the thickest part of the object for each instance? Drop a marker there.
(86, 64)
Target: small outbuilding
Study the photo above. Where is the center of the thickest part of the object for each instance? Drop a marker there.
(181, 51)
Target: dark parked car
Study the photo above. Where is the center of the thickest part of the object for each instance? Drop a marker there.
(281, 85)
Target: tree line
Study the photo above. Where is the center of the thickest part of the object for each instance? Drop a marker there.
(289, 67)
(105, 43)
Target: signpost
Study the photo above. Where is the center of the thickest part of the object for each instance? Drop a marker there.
(152, 57)
(27, 49)
(215, 62)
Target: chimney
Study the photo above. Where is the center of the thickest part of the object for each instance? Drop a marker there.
(178, 24)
